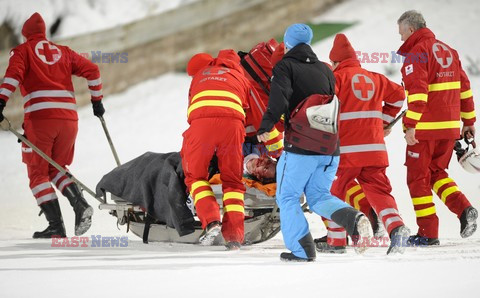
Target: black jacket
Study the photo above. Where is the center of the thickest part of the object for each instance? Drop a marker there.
(298, 75)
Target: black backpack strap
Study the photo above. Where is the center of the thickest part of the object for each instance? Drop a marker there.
(269, 79)
(254, 75)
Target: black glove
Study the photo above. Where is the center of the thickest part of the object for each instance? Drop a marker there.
(2, 106)
(98, 109)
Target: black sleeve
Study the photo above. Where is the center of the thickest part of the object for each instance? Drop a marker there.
(280, 92)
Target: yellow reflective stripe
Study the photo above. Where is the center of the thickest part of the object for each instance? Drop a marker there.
(441, 182)
(233, 195)
(466, 94)
(417, 97)
(352, 191)
(425, 212)
(273, 134)
(325, 222)
(274, 147)
(220, 93)
(422, 200)
(444, 86)
(437, 125)
(237, 208)
(356, 199)
(201, 195)
(215, 103)
(413, 115)
(469, 115)
(448, 192)
(198, 184)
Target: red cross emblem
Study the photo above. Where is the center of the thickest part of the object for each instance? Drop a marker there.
(47, 52)
(442, 54)
(363, 87)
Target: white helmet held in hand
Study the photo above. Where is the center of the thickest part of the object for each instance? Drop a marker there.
(468, 159)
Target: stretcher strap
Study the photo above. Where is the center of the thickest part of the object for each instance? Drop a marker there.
(146, 229)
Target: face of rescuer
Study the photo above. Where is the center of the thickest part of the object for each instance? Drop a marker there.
(405, 31)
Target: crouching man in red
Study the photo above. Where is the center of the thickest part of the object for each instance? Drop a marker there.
(217, 98)
(43, 71)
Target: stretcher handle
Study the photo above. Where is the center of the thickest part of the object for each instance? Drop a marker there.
(47, 158)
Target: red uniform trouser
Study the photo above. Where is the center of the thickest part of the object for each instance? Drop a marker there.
(55, 138)
(426, 164)
(224, 137)
(376, 188)
(355, 197)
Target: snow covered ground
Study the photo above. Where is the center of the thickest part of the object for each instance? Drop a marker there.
(83, 16)
(151, 117)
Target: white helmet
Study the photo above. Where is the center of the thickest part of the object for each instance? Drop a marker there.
(469, 159)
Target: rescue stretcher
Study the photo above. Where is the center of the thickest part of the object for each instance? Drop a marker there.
(262, 219)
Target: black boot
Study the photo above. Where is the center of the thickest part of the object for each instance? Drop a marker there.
(53, 214)
(468, 224)
(308, 245)
(83, 211)
(357, 226)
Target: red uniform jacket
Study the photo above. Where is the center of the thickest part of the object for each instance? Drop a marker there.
(368, 101)
(220, 89)
(43, 71)
(438, 89)
(266, 56)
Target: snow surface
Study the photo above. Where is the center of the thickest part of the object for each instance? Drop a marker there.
(151, 117)
(82, 16)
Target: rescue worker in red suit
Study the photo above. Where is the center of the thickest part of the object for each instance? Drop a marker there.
(439, 98)
(217, 99)
(258, 65)
(43, 72)
(369, 102)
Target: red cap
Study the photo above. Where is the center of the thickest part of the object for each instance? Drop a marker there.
(342, 49)
(34, 25)
(197, 62)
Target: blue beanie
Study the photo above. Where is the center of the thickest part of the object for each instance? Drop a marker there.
(297, 33)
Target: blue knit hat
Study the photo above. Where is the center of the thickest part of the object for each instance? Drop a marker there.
(297, 33)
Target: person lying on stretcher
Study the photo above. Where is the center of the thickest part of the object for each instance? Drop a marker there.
(262, 169)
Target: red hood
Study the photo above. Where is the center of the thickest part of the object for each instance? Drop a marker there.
(351, 62)
(34, 26)
(197, 62)
(228, 58)
(416, 37)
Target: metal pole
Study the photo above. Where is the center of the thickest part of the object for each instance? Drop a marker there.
(391, 124)
(49, 160)
(115, 155)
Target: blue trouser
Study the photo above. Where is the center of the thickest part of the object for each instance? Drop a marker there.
(312, 175)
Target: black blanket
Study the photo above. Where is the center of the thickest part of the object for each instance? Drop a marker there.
(155, 182)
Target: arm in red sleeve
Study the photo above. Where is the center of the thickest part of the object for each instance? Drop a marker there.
(415, 78)
(393, 101)
(13, 75)
(467, 106)
(85, 68)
